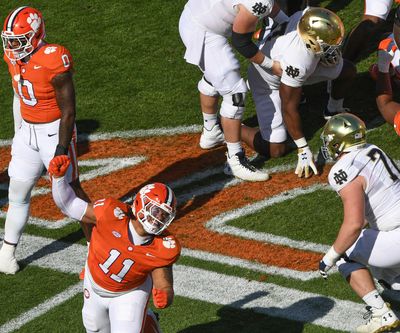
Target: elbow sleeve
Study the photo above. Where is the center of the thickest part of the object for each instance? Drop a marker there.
(66, 199)
(243, 43)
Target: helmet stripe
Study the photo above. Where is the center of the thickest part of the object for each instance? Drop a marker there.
(170, 196)
(12, 17)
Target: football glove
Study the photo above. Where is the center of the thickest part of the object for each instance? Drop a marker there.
(58, 165)
(160, 298)
(386, 51)
(305, 162)
(329, 260)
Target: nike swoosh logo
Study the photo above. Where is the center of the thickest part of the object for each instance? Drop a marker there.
(51, 134)
(150, 255)
(37, 67)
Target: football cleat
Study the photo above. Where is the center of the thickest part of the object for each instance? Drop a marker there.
(8, 262)
(239, 166)
(329, 114)
(378, 320)
(212, 138)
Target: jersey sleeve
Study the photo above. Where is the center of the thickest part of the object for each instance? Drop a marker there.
(57, 59)
(259, 8)
(342, 174)
(169, 249)
(295, 73)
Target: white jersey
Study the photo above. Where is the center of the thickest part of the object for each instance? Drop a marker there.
(382, 192)
(285, 45)
(217, 16)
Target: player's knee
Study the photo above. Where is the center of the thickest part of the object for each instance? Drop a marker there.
(369, 23)
(347, 266)
(233, 104)
(206, 88)
(19, 192)
(266, 148)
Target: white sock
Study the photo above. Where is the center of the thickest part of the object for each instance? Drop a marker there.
(209, 120)
(233, 148)
(335, 104)
(374, 299)
(8, 249)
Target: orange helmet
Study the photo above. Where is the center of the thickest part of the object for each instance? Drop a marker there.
(154, 207)
(22, 32)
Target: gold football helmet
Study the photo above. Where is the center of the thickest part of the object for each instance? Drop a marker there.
(342, 133)
(322, 31)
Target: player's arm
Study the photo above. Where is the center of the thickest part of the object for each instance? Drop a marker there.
(290, 100)
(163, 291)
(65, 96)
(352, 196)
(65, 197)
(244, 25)
(384, 98)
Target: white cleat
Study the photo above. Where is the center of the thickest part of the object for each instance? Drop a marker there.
(379, 320)
(239, 166)
(329, 114)
(8, 263)
(212, 138)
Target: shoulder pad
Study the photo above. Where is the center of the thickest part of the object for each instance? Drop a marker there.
(54, 57)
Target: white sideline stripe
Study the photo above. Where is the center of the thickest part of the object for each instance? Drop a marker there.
(218, 223)
(42, 308)
(196, 284)
(247, 264)
(267, 298)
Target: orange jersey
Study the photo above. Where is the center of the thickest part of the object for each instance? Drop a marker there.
(32, 82)
(115, 263)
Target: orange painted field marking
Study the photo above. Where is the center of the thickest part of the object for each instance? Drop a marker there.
(168, 159)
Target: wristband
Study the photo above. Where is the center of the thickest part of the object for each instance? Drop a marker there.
(331, 256)
(301, 143)
(267, 63)
(61, 150)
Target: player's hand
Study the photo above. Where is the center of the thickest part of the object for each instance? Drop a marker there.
(160, 298)
(58, 165)
(328, 261)
(305, 162)
(386, 51)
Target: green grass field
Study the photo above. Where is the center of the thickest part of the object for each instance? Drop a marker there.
(130, 75)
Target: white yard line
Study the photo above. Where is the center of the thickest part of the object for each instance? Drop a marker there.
(196, 284)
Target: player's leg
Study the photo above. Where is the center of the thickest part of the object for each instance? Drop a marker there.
(48, 142)
(222, 70)
(95, 310)
(269, 139)
(152, 324)
(372, 249)
(128, 312)
(376, 11)
(24, 170)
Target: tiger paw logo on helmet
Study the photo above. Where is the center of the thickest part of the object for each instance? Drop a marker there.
(34, 21)
(396, 123)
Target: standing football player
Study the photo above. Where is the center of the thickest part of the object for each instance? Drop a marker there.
(367, 181)
(130, 255)
(41, 77)
(205, 27)
(305, 59)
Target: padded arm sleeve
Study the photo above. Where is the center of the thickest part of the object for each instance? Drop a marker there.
(244, 45)
(66, 199)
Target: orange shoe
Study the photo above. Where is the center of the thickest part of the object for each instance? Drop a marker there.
(82, 274)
